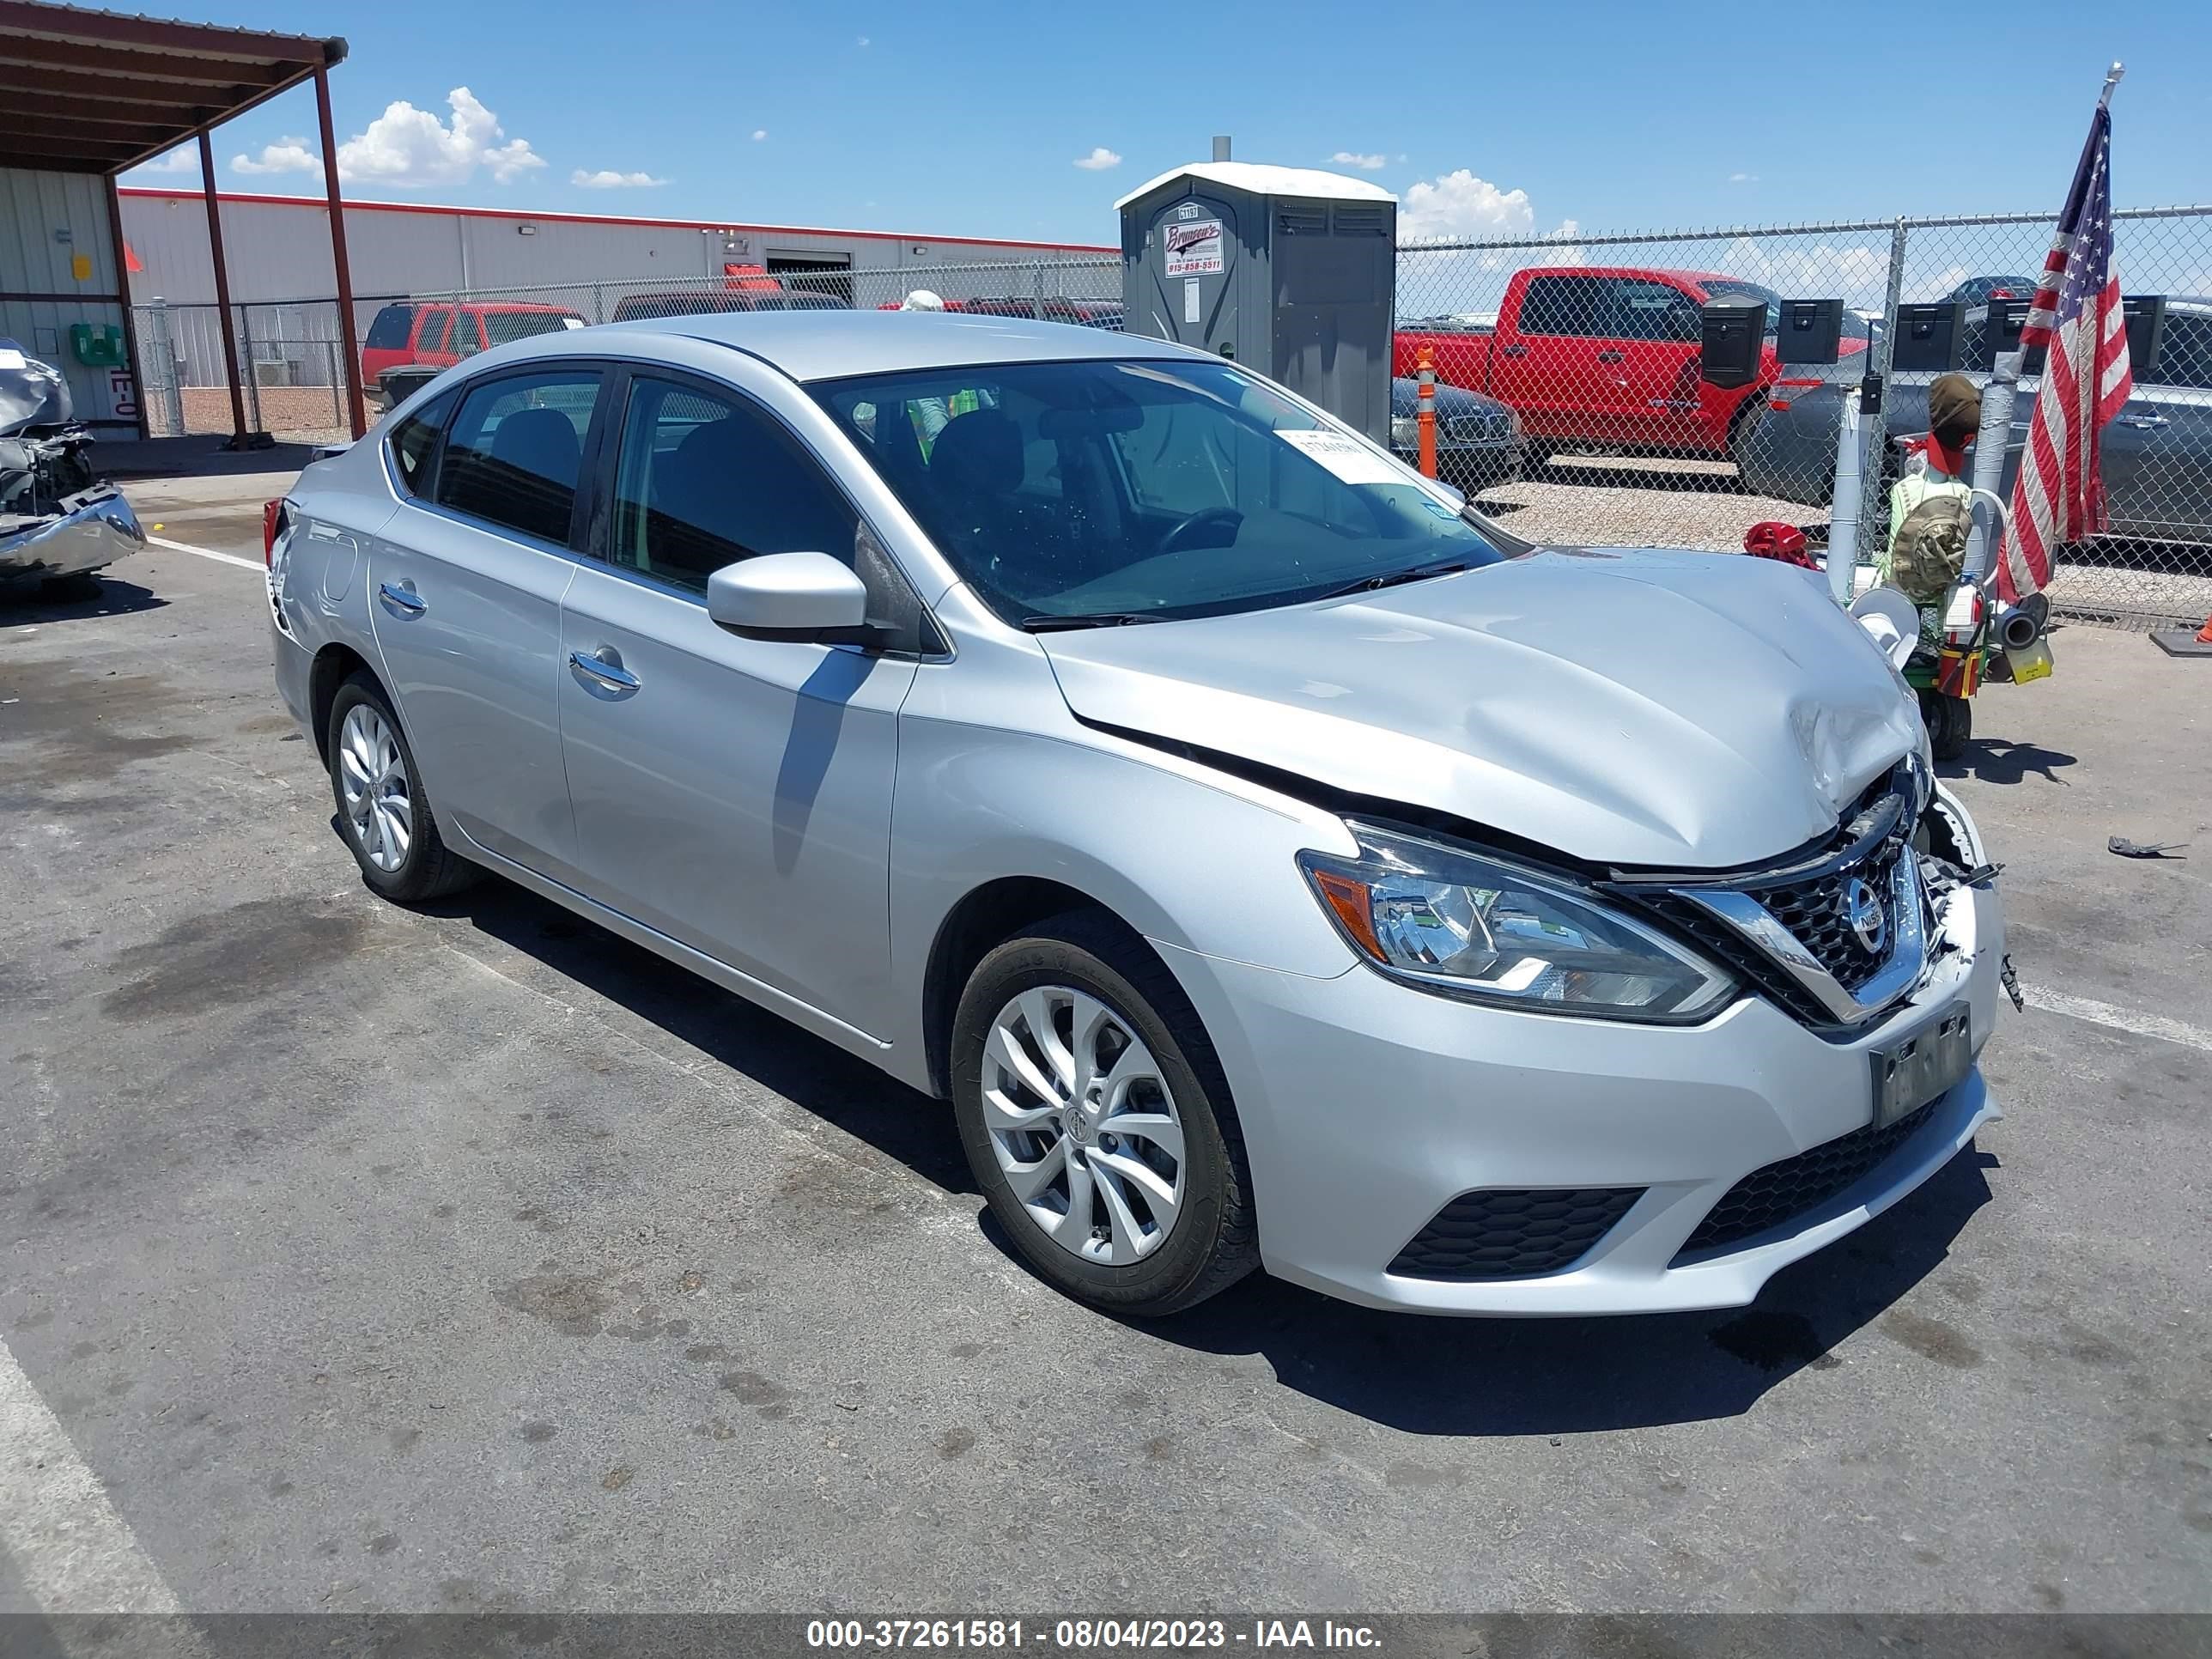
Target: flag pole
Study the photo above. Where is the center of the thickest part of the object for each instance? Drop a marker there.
(1994, 434)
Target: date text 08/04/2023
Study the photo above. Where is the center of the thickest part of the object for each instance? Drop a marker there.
(1082, 1635)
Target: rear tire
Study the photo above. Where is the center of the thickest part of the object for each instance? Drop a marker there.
(1950, 722)
(384, 812)
(1142, 1220)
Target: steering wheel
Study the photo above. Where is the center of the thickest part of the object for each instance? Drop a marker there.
(1173, 541)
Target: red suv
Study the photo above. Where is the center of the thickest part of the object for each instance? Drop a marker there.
(439, 333)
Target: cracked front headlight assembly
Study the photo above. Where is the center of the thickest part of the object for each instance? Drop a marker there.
(1465, 925)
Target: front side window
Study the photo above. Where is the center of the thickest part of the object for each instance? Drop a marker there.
(707, 478)
(1656, 310)
(1089, 489)
(516, 448)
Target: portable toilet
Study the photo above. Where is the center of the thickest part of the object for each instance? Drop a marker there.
(1289, 271)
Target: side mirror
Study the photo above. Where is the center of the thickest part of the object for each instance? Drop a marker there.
(791, 596)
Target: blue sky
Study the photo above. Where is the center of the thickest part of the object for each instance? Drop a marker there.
(970, 118)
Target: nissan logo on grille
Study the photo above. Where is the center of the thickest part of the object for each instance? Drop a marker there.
(1863, 910)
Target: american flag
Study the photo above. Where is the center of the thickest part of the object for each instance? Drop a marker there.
(2059, 495)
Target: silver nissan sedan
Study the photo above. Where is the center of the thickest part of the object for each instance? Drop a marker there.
(1274, 862)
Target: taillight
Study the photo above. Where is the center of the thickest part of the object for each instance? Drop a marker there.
(272, 521)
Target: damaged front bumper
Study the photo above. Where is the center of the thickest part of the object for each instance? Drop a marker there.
(91, 532)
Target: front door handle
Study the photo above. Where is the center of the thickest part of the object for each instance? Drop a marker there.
(605, 670)
(2142, 422)
(1513, 351)
(1609, 356)
(401, 599)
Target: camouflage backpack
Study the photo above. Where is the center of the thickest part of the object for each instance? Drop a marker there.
(1930, 549)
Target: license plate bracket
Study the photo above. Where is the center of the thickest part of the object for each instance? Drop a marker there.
(1909, 1072)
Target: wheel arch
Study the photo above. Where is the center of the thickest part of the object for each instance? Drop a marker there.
(335, 663)
(985, 918)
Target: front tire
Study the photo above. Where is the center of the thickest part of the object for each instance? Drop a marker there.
(383, 811)
(1097, 1122)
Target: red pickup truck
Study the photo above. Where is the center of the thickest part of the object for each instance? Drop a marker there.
(1605, 355)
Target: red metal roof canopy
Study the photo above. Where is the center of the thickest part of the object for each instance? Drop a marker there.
(96, 92)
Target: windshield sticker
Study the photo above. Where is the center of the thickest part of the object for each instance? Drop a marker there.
(1193, 249)
(1347, 458)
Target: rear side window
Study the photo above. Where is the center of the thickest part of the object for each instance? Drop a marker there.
(437, 324)
(467, 340)
(415, 445)
(389, 328)
(515, 449)
(1572, 305)
(502, 326)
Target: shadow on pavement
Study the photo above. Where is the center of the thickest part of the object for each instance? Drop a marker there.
(1511, 1377)
(30, 606)
(839, 1088)
(2000, 760)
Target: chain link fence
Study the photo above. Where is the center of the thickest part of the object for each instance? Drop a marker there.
(291, 360)
(1594, 342)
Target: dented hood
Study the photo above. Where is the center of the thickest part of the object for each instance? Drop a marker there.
(1624, 707)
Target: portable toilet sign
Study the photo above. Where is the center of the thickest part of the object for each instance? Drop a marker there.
(1288, 270)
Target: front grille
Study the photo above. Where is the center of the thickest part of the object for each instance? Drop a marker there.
(1475, 428)
(1766, 1198)
(1505, 1232)
(1814, 911)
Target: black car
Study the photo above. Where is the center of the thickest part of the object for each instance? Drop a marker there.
(1477, 438)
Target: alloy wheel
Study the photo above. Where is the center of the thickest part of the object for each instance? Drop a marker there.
(373, 777)
(1083, 1125)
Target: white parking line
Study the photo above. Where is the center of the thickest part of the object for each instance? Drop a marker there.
(205, 553)
(2119, 1019)
(63, 1539)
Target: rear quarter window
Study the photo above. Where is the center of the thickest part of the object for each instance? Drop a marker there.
(414, 444)
(389, 329)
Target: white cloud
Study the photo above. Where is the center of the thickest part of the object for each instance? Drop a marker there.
(863, 40)
(1098, 161)
(608, 179)
(406, 146)
(1346, 158)
(285, 155)
(1743, 178)
(759, 134)
(1460, 205)
(1799, 270)
(186, 158)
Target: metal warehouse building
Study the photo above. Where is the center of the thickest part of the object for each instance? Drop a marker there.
(279, 251)
(282, 286)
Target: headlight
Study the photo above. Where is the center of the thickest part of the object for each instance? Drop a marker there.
(1405, 432)
(1513, 422)
(1475, 928)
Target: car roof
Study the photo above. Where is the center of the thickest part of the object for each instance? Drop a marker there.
(828, 345)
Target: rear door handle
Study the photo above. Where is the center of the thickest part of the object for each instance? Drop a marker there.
(610, 675)
(1513, 351)
(402, 600)
(1609, 356)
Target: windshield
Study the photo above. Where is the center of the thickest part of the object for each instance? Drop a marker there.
(1147, 490)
